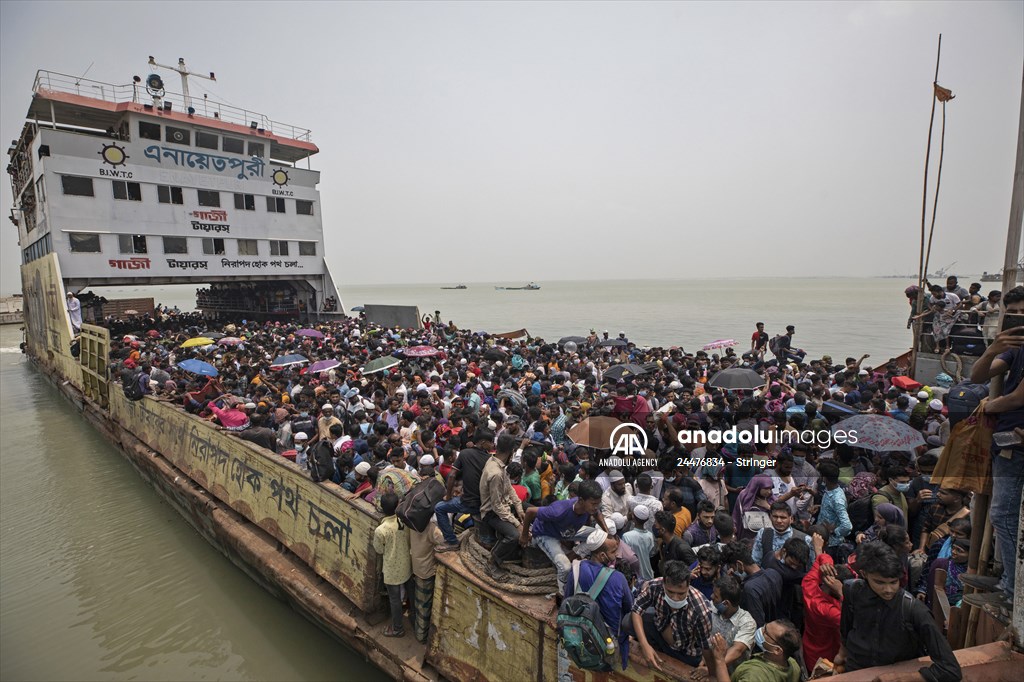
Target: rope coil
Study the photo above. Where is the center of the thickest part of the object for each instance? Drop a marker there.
(519, 580)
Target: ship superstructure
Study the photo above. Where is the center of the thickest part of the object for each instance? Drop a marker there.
(133, 185)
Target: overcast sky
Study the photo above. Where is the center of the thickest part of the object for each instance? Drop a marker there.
(538, 141)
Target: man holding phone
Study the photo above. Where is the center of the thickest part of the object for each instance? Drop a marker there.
(1006, 357)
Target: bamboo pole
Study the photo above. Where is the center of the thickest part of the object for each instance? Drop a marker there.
(921, 272)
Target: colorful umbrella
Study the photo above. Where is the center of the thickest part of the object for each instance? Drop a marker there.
(594, 432)
(737, 379)
(288, 360)
(720, 343)
(380, 364)
(879, 433)
(323, 366)
(197, 341)
(229, 341)
(421, 352)
(198, 367)
(310, 332)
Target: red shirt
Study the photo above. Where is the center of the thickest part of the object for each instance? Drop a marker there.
(521, 492)
(821, 616)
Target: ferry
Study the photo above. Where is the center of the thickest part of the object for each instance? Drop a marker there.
(130, 184)
(529, 287)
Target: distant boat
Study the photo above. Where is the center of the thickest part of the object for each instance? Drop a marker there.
(461, 286)
(529, 287)
(992, 277)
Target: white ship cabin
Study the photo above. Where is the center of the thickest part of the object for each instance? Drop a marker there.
(134, 185)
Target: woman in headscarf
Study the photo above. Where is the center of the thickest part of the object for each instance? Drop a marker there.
(885, 515)
(751, 512)
(712, 481)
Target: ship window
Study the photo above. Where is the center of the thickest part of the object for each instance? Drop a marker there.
(248, 247)
(233, 145)
(307, 248)
(206, 140)
(84, 243)
(132, 243)
(149, 131)
(80, 187)
(209, 198)
(175, 245)
(245, 202)
(177, 135)
(303, 207)
(256, 149)
(275, 204)
(278, 248)
(130, 191)
(213, 247)
(169, 195)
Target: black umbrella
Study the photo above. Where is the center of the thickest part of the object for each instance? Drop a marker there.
(650, 367)
(612, 343)
(620, 372)
(495, 354)
(578, 340)
(737, 378)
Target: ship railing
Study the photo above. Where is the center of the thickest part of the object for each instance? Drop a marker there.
(966, 338)
(50, 81)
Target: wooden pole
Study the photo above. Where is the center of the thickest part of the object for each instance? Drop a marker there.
(1010, 260)
(921, 273)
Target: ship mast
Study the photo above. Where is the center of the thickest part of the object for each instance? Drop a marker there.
(184, 73)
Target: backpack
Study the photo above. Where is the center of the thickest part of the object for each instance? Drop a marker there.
(132, 389)
(862, 515)
(582, 631)
(417, 507)
(321, 462)
(773, 344)
(963, 399)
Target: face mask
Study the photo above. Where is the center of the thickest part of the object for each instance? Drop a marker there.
(561, 399)
(673, 604)
(902, 487)
(799, 461)
(760, 643)
(299, 448)
(927, 478)
(740, 575)
(603, 394)
(721, 607)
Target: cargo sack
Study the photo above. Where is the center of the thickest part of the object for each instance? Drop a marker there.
(966, 460)
(417, 507)
(582, 631)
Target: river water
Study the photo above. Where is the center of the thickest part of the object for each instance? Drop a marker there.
(833, 316)
(102, 580)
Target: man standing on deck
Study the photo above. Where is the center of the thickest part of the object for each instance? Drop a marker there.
(75, 312)
(784, 348)
(953, 287)
(1006, 357)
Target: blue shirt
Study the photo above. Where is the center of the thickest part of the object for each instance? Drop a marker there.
(558, 520)
(615, 600)
(778, 540)
(833, 510)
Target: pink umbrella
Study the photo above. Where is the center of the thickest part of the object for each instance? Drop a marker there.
(720, 343)
(229, 341)
(310, 332)
(421, 352)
